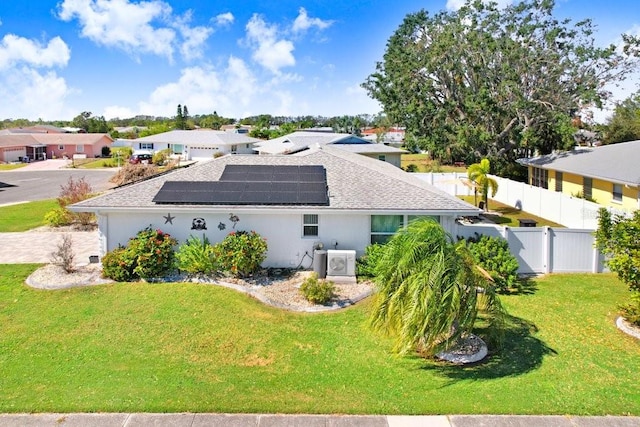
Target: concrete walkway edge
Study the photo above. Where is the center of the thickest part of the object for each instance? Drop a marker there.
(274, 420)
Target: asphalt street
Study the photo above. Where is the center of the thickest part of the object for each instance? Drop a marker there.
(23, 185)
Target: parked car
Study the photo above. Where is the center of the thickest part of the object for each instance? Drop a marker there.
(141, 158)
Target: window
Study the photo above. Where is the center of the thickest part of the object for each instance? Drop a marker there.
(587, 188)
(617, 192)
(559, 179)
(146, 145)
(382, 157)
(540, 178)
(60, 147)
(80, 148)
(310, 225)
(385, 226)
(234, 148)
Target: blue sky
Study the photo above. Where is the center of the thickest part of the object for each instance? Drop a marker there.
(120, 58)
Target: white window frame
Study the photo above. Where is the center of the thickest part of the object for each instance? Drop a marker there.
(60, 147)
(146, 145)
(617, 195)
(382, 157)
(310, 222)
(80, 148)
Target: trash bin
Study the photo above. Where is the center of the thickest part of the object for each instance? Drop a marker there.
(320, 263)
(527, 222)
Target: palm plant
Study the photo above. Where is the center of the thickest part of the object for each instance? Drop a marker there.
(427, 291)
(479, 174)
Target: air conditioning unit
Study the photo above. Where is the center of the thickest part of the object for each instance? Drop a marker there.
(341, 263)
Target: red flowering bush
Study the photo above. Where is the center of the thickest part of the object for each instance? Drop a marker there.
(149, 254)
(241, 252)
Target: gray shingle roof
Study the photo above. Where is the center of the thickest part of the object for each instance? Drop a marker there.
(619, 163)
(302, 140)
(355, 182)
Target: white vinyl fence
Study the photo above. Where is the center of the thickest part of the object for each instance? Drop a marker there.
(539, 250)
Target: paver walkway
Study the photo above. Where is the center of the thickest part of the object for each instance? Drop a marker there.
(36, 246)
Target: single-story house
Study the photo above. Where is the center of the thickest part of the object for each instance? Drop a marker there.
(393, 136)
(322, 195)
(607, 174)
(42, 146)
(197, 144)
(303, 140)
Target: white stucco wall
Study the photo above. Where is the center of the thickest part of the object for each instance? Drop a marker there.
(283, 231)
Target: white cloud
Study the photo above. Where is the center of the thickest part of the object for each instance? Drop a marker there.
(268, 51)
(224, 19)
(136, 28)
(302, 22)
(457, 4)
(18, 50)
(27, 93)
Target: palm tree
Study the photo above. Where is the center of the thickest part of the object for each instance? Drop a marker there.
(427, 290)
(479, 173)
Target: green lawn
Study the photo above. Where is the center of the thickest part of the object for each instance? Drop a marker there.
(25, 216)
(199, 348)
(506, 215)
(12, 166)
(425, 164)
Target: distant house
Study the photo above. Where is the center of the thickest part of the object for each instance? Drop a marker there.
(608, 175)
(42, 146)
(303, 140)
(324, 195)
(197, 144)
(393, 136)
(243, 129)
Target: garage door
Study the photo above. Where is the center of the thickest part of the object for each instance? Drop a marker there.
(202, 153)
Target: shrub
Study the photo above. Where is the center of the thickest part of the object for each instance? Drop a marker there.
(63, 255)
(118, 265)
(161, 157)
(631, 311)
(153, 251)
(493, 255)
(197, 256)
(317, 291)
(367, 263)
(132, 173)
(412, 167)
(106, 151)
(58, 217)
(242, 252)
(150, 254)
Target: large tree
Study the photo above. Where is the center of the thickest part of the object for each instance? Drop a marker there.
(624, 124)
(494, 82)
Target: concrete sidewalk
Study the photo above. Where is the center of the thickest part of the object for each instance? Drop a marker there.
(273, 420)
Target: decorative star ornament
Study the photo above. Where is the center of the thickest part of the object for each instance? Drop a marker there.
(168, 219)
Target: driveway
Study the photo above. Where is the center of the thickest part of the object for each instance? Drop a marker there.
(42, 180)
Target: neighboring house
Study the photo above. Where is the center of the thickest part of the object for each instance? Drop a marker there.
(197, 144)
(243, 129)
(608, 175)
(393, 136)
(323, 195)
(42, 146)
(303, 140)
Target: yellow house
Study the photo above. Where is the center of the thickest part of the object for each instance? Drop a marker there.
(608, 175)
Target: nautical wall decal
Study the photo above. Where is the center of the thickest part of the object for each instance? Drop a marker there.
(198, 224)
(168, 219)
(222, 226)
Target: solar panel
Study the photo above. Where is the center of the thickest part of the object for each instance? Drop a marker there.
(252, 185)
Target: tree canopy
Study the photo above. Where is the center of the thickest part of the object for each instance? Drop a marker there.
(624, 124)
(494, 82)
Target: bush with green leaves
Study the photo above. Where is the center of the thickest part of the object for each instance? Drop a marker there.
(618, 238)
(197, 256)
(118, 265)
(58, 217)
(317, 291)
(367, 263)
(148, 255)
(493, 255)
(242, 252)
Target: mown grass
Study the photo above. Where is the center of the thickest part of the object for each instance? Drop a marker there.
(506, 215)
(25, 216)
(425, 164)
(11, 166)
(198, 348)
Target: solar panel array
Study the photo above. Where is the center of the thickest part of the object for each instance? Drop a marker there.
(252, 185)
